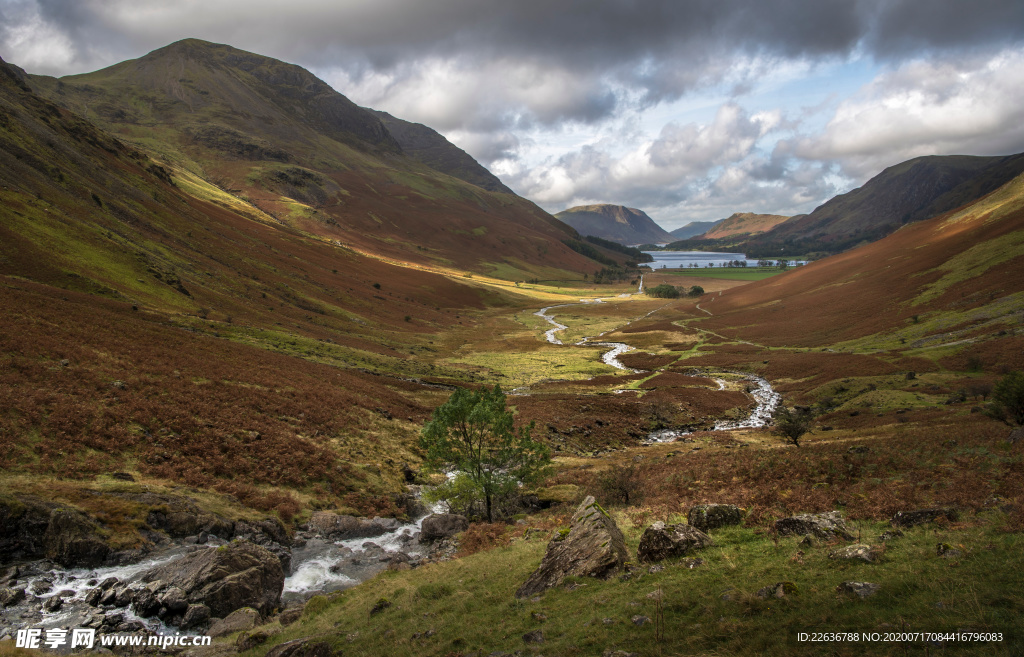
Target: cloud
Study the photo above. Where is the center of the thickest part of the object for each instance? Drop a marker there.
(972, 106)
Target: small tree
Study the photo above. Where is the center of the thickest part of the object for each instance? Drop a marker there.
(696, 291)
(1008, 399)
(472, 432)
(793, 423)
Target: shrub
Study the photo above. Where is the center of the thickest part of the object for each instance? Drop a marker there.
(662, 291)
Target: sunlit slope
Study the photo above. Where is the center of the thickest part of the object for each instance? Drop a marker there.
(956, 274)
(273, 136)
(83, 211)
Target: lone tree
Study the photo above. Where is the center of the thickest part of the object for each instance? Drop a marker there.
(793, 423)
(1008, 399)
(472, 434)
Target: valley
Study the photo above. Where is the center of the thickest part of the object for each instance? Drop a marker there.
(232, 300)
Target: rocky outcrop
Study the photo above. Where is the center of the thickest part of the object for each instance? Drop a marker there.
(592, 546)
(820, 525)
(913, 518)
(239, 574)
(706, 517)
(340, 527)
(442, 525)
(661, 541)
(31, 528)
(71, 539)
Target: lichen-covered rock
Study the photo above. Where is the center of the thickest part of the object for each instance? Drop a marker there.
(706, 517)
(442, 525)
(859, 552)
(11, 596)
(860, 589)
(239, 574)
(921, 516)
(661, 541)
(821, 525)
(593, 547)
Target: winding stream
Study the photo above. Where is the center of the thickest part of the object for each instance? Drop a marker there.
(765, 398)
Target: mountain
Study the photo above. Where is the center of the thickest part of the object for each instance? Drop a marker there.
(616, 223)
(269, 139)
(428, 146)
(902, 194)
(693, 229)
(742, 223)
(956, 278)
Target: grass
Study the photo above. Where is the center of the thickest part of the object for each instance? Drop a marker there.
(467, 606)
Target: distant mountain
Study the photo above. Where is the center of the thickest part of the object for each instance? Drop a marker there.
(616, 223)
(693, 229)
(282, 145)
(743, 223)
(428, 146)
(902, 194)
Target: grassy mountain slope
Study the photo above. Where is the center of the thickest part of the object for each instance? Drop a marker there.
(614, 222)
(427, 146)
(693, 229)
(964, 267)
(277, 143)
(902, 194)
(742, 223)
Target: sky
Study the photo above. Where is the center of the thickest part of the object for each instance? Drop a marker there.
(690, 110)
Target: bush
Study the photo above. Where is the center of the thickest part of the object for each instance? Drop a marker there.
(1008, 399)
(663, 291)
(696, 291)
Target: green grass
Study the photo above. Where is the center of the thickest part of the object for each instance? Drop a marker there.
(725, 273)
(467, 605)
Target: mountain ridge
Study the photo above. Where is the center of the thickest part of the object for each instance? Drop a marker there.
(618, 223)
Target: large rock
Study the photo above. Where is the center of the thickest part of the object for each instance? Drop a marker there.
(821, 525)
(706, 517)
(922, 516)
(442, 525)
(31, 529)
(332, 525)
(661, 541)
(593, 546)
(239, 620)
(239, 574)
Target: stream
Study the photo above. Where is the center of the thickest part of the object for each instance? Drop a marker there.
(765, 398)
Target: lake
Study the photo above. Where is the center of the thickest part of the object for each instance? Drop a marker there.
(674, 259)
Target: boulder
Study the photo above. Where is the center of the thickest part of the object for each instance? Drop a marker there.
(706, 517)
(821, 525)
(239, 620)
(661, 541)
(593, 546)
(913, 518)
(239, 574)
(442, 525)
(11, 596)
(174, 599)
(332, 525)
(860, 589)
(195, 616)
(860, 552)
